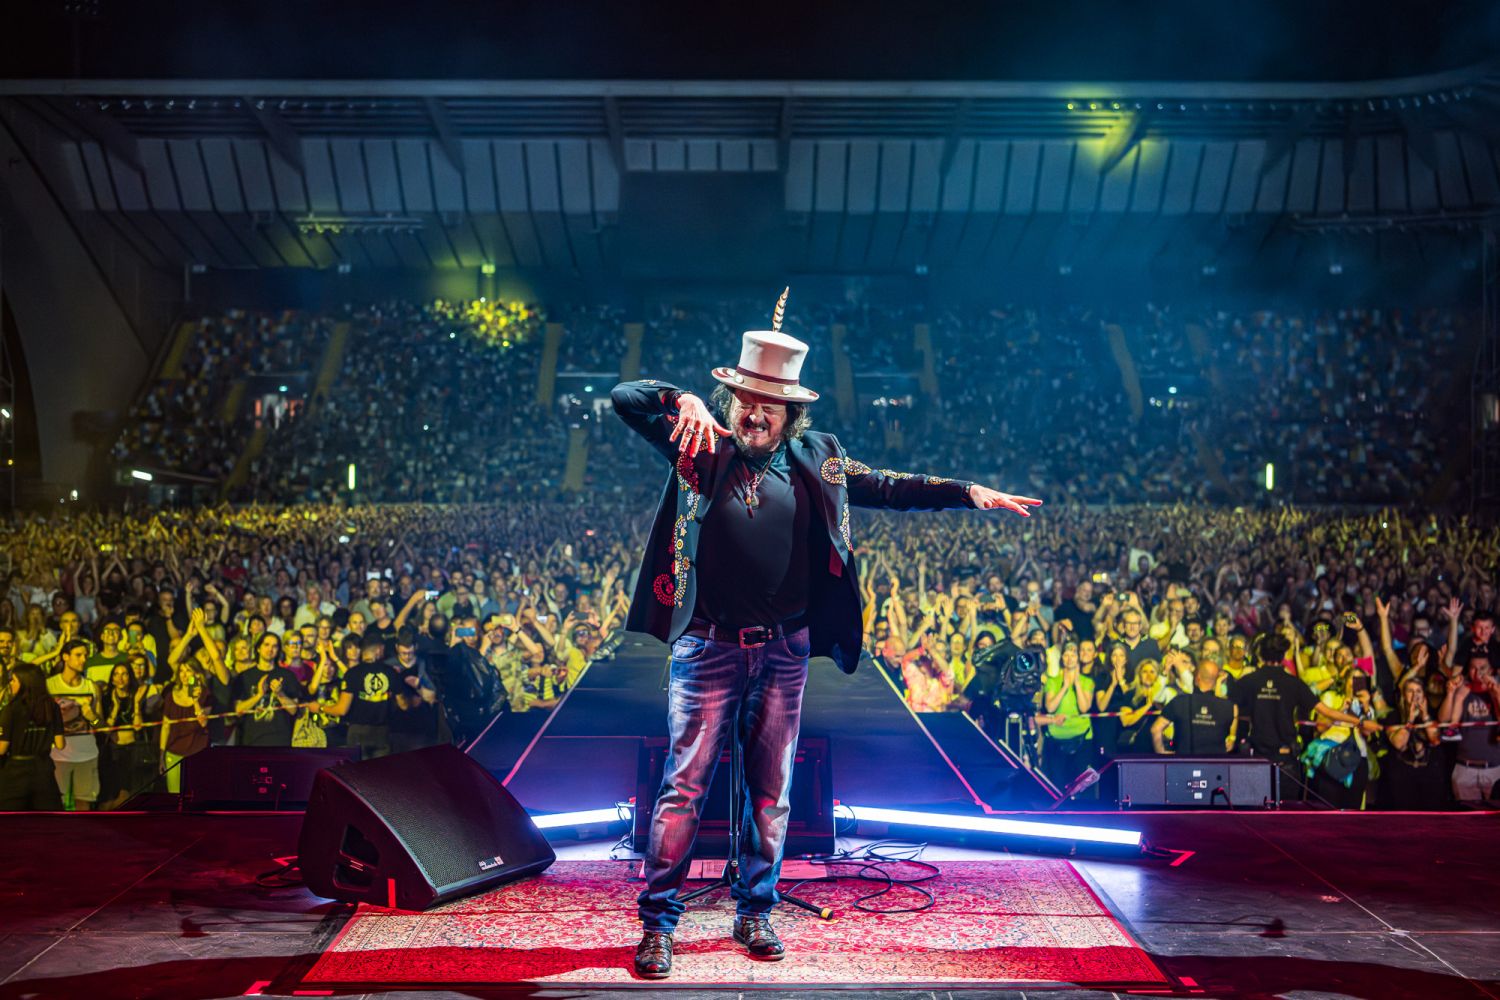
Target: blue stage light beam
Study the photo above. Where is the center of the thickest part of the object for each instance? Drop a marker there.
(584, 817)
(996, 824)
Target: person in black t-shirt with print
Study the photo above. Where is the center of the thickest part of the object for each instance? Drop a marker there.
(267, 698)
(366, 697)
(1273, 702)
(1202, 722)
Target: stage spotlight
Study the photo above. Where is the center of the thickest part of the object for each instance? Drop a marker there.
(486, 268)
(144, 477)
(1270, 476)
(5, 412)
(351, 477)
(996, 824)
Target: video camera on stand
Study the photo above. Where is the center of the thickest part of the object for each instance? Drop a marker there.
(1003, 696)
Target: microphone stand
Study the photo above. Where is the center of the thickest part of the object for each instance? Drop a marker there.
(731, 875)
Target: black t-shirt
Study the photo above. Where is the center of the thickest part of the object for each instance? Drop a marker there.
(1083, 621)
(1200, 723)
(267, 724)
(1106, 731)
(756, 569)
(1467, 648)
(1147, 649)
(26, 736)
(373, 686)
(386, 635)
(420, 717)
(220, 695)
(1272, 701)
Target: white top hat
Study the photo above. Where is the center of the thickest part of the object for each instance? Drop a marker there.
(770, 362)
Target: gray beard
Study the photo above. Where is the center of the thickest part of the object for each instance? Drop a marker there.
(752, 451)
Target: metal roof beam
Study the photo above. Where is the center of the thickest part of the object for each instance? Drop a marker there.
(115, 138)
(784, 131)
(1419, 137)
(1122, 137)
(447, 135)
(282, 137)
(616, 131)
(1280, 143)
(955, 130)
(1062, 90)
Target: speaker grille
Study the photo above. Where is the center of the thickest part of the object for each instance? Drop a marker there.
(445, 809)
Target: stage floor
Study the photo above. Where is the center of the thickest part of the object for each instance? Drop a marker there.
(1265, 905)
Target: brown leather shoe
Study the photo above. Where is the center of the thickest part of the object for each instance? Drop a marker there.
(653, 956)
(756, 934)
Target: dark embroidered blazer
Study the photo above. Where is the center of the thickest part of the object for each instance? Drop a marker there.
(665, 591)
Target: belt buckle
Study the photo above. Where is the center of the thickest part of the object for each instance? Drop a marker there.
(765, 631)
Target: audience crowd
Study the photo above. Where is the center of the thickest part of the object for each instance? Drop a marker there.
(189, 419)
(385, 627)
(437, 401)
(1355, 650)
(1143, 612)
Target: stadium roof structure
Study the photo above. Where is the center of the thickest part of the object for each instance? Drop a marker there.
(659, 177)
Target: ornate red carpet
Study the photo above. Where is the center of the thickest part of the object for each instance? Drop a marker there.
(995, 923)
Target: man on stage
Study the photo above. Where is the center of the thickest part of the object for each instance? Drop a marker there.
(748, 572)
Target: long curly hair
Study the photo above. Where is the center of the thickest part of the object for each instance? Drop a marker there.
(798, 415)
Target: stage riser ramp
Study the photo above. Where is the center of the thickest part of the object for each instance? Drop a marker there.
(586, 756)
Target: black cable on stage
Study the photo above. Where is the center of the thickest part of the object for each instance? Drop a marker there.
(870, 863)
(281, 877)
(626, 812)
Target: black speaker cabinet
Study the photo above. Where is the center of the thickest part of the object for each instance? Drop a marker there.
(415, 829)
(1204, 782)
(256, 777)
(810, 828)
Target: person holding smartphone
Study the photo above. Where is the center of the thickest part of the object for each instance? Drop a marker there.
(748, 572)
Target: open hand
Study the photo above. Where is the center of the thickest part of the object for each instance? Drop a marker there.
(696, 427)
(985, 498)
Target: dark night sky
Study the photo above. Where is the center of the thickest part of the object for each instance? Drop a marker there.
(816, 39)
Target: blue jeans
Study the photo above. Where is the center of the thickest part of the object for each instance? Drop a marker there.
(713, 686)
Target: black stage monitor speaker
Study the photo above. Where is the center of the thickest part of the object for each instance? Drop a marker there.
(1203, 782)
(415, 829)
(810, 828)
(257, 777)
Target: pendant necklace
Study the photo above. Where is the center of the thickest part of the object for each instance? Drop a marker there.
(752, 500)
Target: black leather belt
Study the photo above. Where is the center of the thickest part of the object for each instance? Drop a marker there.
(748, 636)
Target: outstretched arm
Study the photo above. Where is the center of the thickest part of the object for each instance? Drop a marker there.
(892, 490)
(646, 406)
